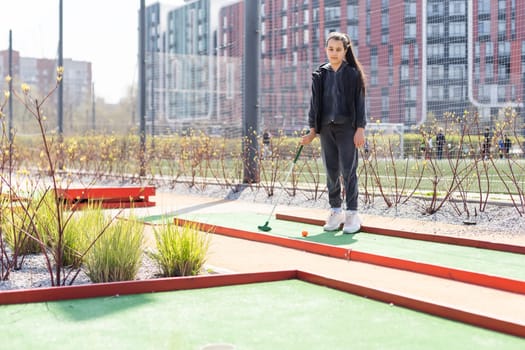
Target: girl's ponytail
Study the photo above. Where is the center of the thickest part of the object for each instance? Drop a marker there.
(352, 60)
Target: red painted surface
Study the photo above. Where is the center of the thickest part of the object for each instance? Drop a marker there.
(509, 248)
(496, 282)
(108, 197)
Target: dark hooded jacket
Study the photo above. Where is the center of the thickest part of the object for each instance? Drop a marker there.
(351, 88)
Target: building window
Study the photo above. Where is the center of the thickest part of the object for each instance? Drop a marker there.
(385, 38)
(456, 71)
(504, 48)
(483, 7)
(484, 28)
(352, 12)
(373, 62)
(435, 93)
(405, 72)
(410, 9)
(410, 30)
(502, 93)
(457, 29)
(385, 103)
(457, 50)
(353, 31)
(285, 41)
(412, 93)
(489, 49)
(306, 17)
(456, 8)
(436, 72)
(385, 20)
(332, 13)
(410, 115)
(285, 22)
(484, 92)
(489, 70)
(502, 27)
(405, 52)
(435, 50)
(502, 6)
(435, 30)
(306, 36)
(503, 71)
(435, 9)
(373, 79)
(456, 93)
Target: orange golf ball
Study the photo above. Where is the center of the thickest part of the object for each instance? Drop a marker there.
(304, 233)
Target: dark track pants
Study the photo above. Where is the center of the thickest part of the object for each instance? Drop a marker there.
(340, 159)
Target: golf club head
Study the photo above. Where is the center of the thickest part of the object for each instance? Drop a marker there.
(264, 228)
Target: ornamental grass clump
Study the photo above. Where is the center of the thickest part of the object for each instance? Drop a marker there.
(79, 232)
(117, 254)
(28, 227)
(181, 250)
(16, 231)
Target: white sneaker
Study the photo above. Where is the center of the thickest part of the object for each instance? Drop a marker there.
(352, 222)
(334, 220)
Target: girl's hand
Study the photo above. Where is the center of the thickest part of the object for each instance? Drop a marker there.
(306, 139)
(359, 137)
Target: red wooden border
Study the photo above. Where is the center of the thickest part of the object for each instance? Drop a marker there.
(107, 192)
(109, 197)
(135, 287)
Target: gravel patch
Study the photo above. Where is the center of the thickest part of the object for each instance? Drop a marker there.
(499, 218)
(34, 274)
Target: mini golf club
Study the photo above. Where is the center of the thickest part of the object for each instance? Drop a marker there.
(266, 227)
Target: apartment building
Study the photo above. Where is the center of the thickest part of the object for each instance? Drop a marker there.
(40, 74)
(423, 58)
(190, 63)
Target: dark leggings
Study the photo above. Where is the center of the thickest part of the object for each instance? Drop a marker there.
(340, 158)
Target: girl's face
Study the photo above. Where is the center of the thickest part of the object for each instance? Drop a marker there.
(335, 52)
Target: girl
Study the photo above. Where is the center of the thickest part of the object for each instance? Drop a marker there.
(337, 114)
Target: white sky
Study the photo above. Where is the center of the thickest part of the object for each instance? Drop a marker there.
(103, 32)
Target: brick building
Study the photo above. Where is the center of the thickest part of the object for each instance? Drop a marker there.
(40, 74)
(422, 57)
